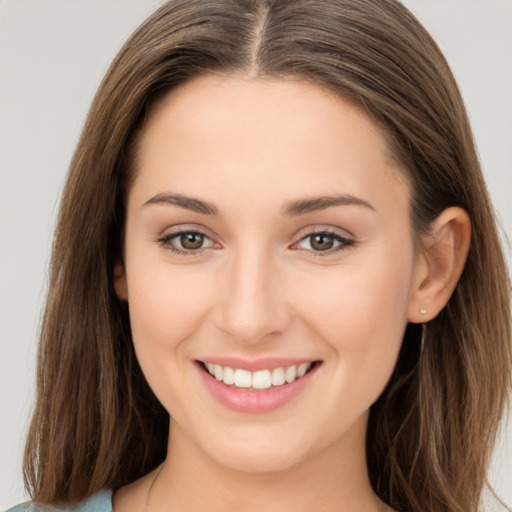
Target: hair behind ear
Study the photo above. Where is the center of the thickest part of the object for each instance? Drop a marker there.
(432, 431)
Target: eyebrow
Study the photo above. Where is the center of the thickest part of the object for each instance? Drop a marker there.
(189, 203)
(303, 206)
(290, 209)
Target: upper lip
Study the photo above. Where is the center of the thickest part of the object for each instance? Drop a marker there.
(264, 363)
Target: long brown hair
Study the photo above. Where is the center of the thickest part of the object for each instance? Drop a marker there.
(430, 435)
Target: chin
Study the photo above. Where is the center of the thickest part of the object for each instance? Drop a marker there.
(259, 451)
(261, 462)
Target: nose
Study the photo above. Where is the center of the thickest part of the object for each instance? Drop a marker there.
(253, 308)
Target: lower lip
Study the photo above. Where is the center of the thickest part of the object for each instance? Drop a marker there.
(260, 401)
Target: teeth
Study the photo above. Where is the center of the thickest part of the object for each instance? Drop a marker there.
(243, 379)
(229, 375)
(302, 369)
(278, 377)
(261, 379)
(218, 371)
(290, 374)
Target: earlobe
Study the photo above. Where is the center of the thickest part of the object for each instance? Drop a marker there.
(440, 264)
(120, 284)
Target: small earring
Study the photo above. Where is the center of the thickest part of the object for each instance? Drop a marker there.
(423, 311)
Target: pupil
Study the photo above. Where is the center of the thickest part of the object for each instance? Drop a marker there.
(322, 242)
(191, 240)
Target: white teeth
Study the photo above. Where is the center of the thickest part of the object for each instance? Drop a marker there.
(261, 379)
(229, 375)
(243, 378)
(302, 369)
(290, 374)
(218, 371)
(278, 377)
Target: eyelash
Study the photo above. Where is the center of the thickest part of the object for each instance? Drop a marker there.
(344, 243)
(166, 241)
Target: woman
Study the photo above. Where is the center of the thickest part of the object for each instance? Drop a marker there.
(275, 232)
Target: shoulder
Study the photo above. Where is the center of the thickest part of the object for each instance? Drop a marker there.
(101, 502)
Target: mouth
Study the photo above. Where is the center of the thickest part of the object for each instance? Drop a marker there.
(260, 380)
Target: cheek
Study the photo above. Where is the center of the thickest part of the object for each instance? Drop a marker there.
(360, 312)
(167, 307)
(359, 296)
(167, 303)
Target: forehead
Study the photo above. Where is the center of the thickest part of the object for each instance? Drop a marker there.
(262, 136)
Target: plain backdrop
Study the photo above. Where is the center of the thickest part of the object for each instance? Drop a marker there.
(53, 54)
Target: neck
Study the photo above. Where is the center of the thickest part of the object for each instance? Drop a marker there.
(334, 479)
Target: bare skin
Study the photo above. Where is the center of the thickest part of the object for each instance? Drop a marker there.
(258, 278)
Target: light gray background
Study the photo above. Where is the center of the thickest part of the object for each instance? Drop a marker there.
(53, 54)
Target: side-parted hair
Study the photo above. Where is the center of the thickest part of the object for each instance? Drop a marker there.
(97, 424)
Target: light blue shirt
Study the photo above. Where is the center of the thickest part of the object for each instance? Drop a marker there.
(101, 502)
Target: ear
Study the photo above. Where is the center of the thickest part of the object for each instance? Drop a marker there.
(440, 264)
(120, 284)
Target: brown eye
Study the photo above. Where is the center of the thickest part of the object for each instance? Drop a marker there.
(191, 241)
(322, 241)
(186, 243)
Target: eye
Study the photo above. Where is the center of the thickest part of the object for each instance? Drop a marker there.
(185, 242)
(324, 242)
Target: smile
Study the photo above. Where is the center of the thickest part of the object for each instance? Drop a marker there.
(261, 379)
(258, 387)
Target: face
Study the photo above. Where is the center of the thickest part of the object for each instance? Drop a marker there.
(269, 266)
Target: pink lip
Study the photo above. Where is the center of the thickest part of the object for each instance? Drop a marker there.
(264, 363)
(243, 400)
